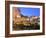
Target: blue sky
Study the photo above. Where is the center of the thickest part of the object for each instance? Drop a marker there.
(30, 11)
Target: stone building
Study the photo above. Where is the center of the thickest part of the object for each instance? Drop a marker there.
(18, 18)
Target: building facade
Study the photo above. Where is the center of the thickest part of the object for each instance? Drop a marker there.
(21, 19)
